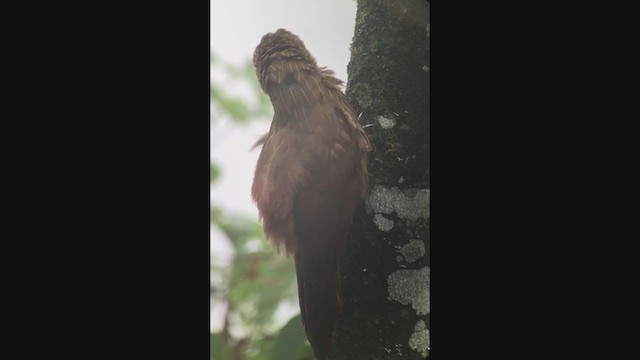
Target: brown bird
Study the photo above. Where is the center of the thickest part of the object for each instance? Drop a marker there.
(311, 175)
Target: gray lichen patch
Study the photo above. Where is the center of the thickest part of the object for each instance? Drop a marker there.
(362, 93)
(419, 340)
(409, 204)
(386, 122)
(382, 222)
(412, 251)
(411, 287)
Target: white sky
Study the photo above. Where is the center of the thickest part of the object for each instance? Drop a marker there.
(326, 27)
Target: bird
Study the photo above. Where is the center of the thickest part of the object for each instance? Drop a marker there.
(310, 177)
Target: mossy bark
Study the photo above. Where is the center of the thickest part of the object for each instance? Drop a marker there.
(385, 272)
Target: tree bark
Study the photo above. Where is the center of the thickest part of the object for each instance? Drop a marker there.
(385, 272)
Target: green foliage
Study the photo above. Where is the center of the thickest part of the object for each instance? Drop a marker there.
(291, 342)
(234, 106)
(214, 172)
(218, 348)
(239, 229)
(257, 281)
(238, 109)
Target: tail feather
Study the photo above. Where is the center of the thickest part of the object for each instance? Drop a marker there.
(318, 292)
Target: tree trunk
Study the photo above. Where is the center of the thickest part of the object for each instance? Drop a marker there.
(385, 272)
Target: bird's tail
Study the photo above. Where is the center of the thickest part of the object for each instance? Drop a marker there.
(318, 292)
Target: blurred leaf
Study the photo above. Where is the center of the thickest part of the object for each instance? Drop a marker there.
(258, 284)
(235, 107)
(218, 349)
(215, 172)
(261, 348)
(249, 71)
(307, 353)
(238, 109)
(239, 229)
(215, 214)
(259, 279)
(290, 342)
